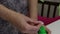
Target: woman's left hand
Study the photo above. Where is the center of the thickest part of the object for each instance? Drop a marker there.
(48, 31)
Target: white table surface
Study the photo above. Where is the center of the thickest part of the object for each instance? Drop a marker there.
(54, 27)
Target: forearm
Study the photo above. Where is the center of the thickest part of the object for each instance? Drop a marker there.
(33, 9)
(10, 15)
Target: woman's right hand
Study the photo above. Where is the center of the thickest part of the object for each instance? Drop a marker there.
(25, 25)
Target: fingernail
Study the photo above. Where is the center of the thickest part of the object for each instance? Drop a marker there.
(41, 22)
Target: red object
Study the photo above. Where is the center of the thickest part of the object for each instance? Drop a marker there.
(48, 20)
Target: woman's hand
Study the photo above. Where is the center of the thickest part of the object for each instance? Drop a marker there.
(33, 23)
(48, 31)
(28, 25)
(23, 23)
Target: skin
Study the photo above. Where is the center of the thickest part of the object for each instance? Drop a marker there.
(33, 11)
(33, 4)
(25, 24)
(22, 22)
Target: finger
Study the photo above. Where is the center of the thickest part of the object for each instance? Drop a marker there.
(29, 19)
(38, 26)
(39, 22)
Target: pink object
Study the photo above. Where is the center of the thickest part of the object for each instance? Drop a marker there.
(48, 20)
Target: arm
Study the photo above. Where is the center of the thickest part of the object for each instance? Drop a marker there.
(8, 14)
(33, 4)
(11, 16)
(18, 20)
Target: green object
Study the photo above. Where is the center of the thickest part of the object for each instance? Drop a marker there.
(42, 30)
